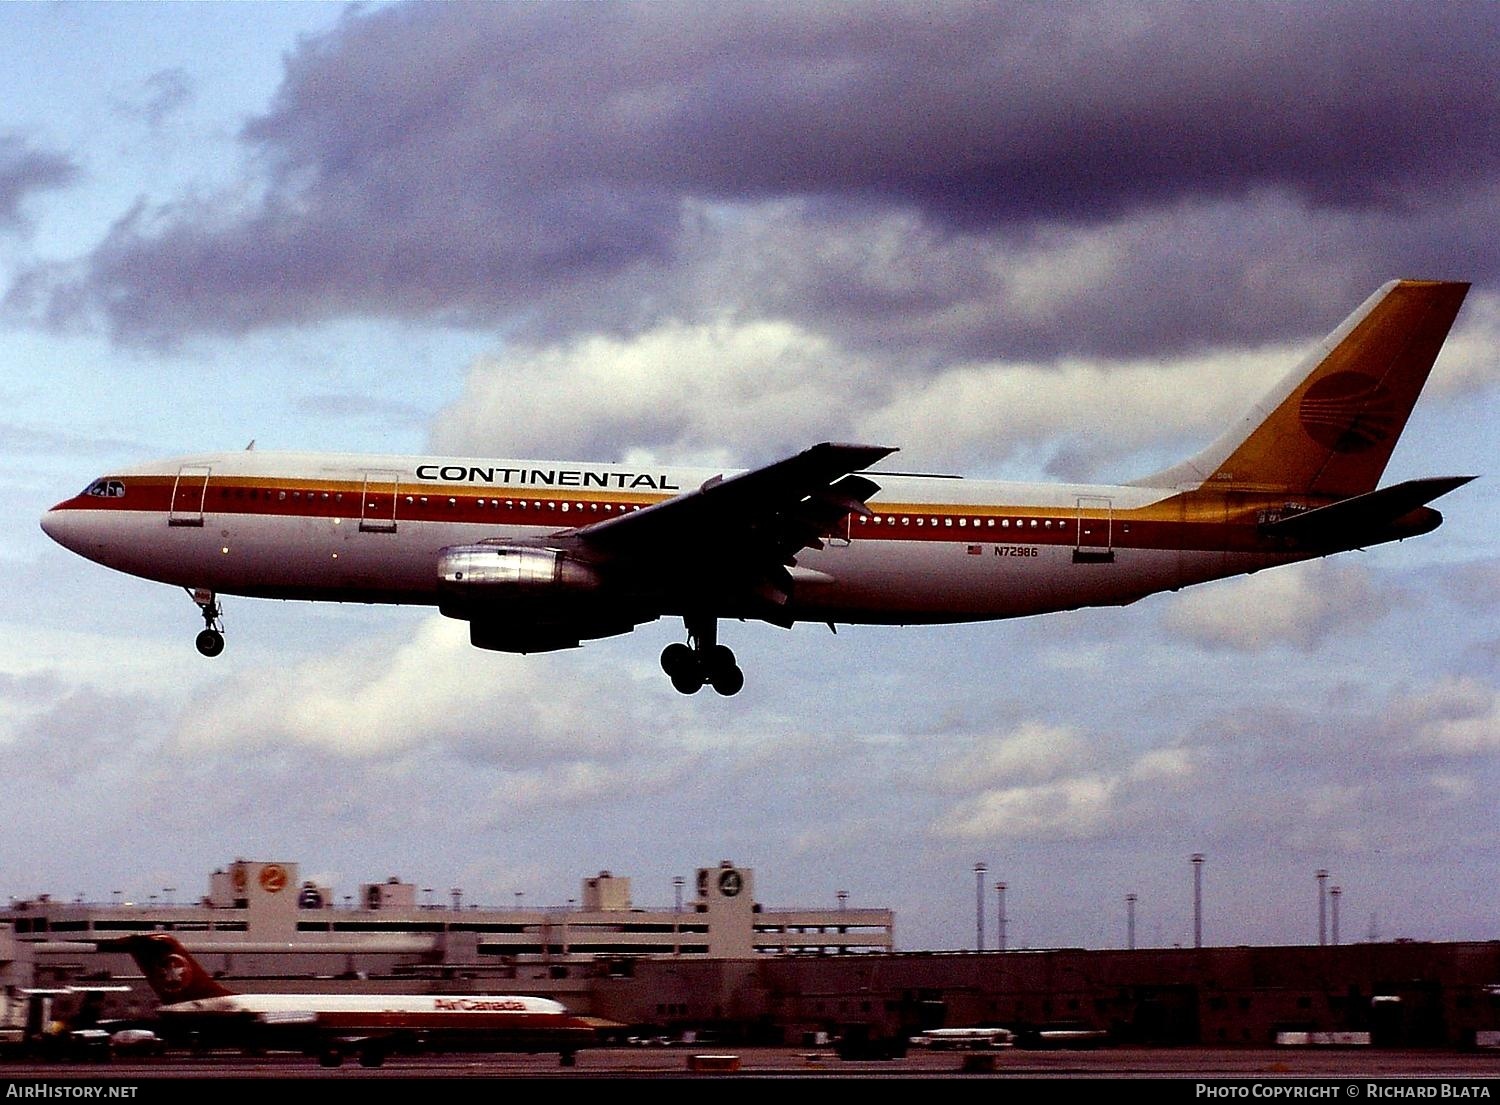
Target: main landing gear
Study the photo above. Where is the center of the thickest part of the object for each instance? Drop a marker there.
(211, 641)
(702, 660)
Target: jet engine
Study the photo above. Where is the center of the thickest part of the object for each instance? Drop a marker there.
(525, 598)
(521, 571)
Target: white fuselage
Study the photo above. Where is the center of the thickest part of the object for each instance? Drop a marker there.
(371, 528)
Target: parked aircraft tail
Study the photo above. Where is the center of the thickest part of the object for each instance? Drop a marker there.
(1329, 427)
(170, 969)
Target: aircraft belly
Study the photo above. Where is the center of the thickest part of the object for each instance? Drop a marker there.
(897, 581)
(281, 556)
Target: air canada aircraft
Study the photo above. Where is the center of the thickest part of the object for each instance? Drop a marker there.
(543, 555)
(196, 1007)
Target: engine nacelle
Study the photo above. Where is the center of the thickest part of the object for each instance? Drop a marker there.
(493, 571)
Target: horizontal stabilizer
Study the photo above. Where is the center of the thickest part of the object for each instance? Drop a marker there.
(1364, 513)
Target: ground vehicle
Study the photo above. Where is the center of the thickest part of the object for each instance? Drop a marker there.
(964, 1039)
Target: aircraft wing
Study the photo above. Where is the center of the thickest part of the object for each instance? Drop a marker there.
(753, 523)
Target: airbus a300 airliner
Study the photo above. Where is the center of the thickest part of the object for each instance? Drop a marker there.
(542, 555)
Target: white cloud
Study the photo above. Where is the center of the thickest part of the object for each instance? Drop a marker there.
(730, 392)
(1467, 362)
(712, 392)
(1034, 752)
(429, 690)
(1045, 781)
(1457, 716)
(1298, 605)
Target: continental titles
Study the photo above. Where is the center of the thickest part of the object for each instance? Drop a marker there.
(545, 477)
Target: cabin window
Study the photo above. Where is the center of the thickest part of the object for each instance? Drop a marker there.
(281, 497)
(409, 500)
(963, 521)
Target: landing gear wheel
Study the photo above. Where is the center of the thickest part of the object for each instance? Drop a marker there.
(688, 682)
(330, 1057)
(729, 682)
(211, 641)
(567, 1058)
(371, 1057)
(718, 660)
(702, 660)
(677, 658)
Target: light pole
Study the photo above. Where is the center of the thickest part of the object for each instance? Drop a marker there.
(979, 870)
(1001, 919)
(1334, 893)
(1197, 899)
(1322, 877)
(1130, 921)
(843, 897)
(677, 883)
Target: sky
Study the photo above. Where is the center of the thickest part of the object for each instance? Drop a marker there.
(1062, 242)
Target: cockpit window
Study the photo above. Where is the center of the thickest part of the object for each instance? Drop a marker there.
(106, 489)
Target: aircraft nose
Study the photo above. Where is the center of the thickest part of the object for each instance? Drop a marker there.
(62, 527)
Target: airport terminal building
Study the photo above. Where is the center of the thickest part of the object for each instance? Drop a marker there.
(721, 962)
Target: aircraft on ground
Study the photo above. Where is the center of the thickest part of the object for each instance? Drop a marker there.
(197, 1008)
(543, 555)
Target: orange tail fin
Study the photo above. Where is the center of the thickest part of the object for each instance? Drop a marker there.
(170, 969)
(1329, 427)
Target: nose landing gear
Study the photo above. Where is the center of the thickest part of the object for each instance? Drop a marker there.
(211, 641)
(702, 660)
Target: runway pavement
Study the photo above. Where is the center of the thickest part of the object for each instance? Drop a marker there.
(805, 1063)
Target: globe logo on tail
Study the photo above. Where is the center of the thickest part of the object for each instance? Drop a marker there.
(1348, 412)
(173, 973)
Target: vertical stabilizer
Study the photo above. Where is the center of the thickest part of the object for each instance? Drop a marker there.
(1329, 427)
(172, 972)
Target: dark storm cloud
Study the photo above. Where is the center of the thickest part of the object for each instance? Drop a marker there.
(528, 163)
(25, 170)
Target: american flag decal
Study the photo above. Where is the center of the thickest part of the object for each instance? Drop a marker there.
(976, 550)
